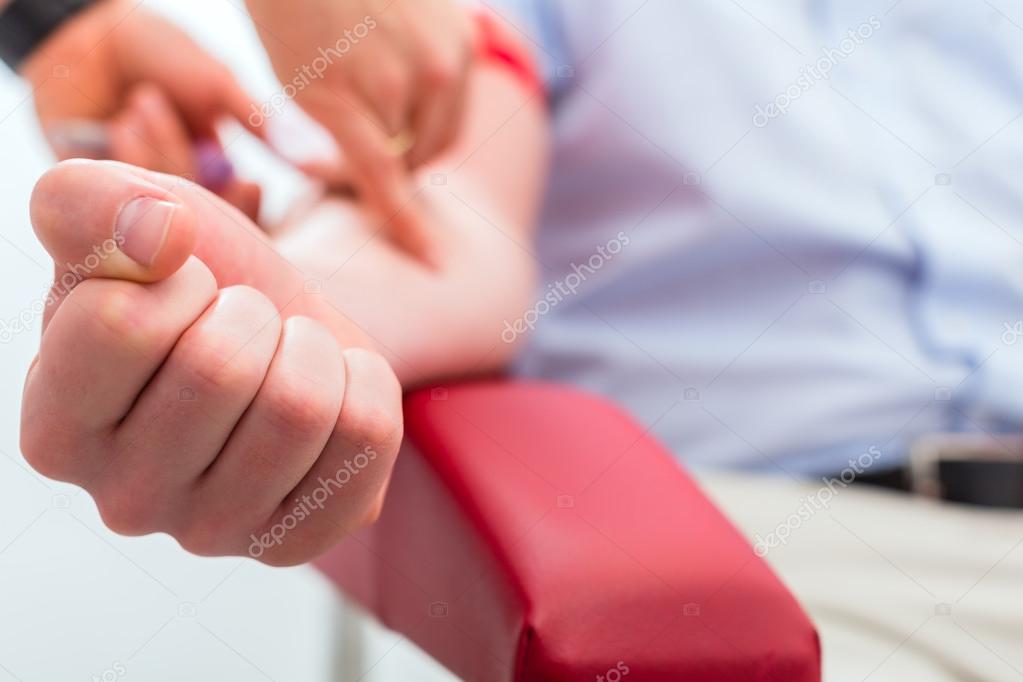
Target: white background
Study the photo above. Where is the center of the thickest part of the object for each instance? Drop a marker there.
(77, 600)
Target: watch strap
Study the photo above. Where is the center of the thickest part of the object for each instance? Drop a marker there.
(25, 24)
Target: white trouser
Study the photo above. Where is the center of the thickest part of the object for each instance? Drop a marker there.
(900, 587)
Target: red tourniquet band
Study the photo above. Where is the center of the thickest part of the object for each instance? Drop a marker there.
(496, 44)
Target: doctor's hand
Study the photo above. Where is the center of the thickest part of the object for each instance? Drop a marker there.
(386, 78)
(87, 70)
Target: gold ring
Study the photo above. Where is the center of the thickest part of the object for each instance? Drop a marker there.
(402, 142)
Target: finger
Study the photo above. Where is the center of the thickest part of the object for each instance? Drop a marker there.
(129, 141)
(346, 481)
(187, 411)
(436, 125)
(385, 86)
(440, 109)
(83, 198)
(366, 143)
(97, 354)
(303, 142)
(335, 175)
(78, 204)
(79, 139)
(96, 223)
(216, 173)
(283, 433)
(378, 172)
(237, 103)
(245, 196)
(164, 131)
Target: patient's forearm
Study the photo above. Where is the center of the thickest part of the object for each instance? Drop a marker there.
(480, 204)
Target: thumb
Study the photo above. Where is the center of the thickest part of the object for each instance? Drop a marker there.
(110, 224)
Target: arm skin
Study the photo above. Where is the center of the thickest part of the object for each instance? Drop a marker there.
(445, 319)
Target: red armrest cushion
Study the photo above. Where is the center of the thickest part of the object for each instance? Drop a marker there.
(537, 533)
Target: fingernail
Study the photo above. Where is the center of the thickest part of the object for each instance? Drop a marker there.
(141, 228)
(82, 139)
(215, 170)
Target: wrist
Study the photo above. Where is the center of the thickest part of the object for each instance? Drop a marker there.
(66, 44)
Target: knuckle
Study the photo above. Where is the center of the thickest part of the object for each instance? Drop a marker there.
(442, 71)
(391, 86)
(254, 305)
(43, 452)
(128, 511)
(57, 445)
(373, 513)
(50, 455)
(284, 557)
(204, 536)
(124, 311)
(295, 406)
(373, 424)
(221, 358)
(215, 361)
(251, 300)
(372, 421)
(377, 370)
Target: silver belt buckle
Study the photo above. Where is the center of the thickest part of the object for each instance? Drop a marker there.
(927, 452)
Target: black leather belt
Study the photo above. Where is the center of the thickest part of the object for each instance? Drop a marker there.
(987, 483)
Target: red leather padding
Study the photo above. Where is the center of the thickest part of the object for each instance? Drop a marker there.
(536, 533)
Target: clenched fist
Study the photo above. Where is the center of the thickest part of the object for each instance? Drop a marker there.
(191, 380)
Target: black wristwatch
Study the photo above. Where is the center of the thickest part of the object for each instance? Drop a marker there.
(24, 24)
